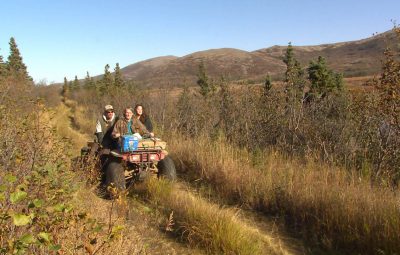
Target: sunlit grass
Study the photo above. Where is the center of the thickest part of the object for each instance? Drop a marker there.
(62, 123)
(327, 205)
(200, 223)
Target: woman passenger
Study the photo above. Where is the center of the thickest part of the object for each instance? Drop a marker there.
(141, 115)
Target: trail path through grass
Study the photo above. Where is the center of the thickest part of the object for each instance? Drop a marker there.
(62, 120)
(145, 233)
(141, 230)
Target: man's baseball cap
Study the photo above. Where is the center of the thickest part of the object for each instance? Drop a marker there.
(108, 108)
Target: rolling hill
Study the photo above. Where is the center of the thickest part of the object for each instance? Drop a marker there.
(353, 59)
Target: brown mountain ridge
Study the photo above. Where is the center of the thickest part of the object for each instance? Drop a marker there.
(353, 59)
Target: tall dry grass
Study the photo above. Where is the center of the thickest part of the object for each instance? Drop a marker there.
(328, 206)
(201, 223)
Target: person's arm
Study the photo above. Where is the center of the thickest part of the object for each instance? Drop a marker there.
(148, 124)
(99, 132)
(116, 130)
(141, 128)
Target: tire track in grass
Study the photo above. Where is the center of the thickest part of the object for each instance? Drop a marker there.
(200, 223)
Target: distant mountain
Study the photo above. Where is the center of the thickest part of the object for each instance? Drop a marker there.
(355, 58)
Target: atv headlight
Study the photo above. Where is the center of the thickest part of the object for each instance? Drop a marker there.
(153, 157)
(134, 158)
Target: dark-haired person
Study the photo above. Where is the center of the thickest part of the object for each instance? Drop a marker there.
(141, 115)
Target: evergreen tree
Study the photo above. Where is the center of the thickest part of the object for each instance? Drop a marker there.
(65, 89)
(118, 80)
(3, 68)
(15, 65)
(294, 76)
(294, 91)
(70, 86)
(289, 59)
(76, 85)
(106, 82)
(89, 82)
(267, 84)
(185, 110)
(323, 80)
(206, 88)
(107, 77)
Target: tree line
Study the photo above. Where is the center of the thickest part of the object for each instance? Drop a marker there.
(14, 66)
(312, 115)
(108, 82)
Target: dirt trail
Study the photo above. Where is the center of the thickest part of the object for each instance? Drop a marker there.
(142, 235)
(62, 121)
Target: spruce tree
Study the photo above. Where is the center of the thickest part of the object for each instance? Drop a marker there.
(107, 78)
(106, 82)
(3, 68)
(294, 87)
(88, 83)
(76, 85)
(65, 88)
(15, 65)
(185, 110)
(70, 86)
(267, 84)
(323, 80)
(206, 87)
(294, 76)
(118, 80)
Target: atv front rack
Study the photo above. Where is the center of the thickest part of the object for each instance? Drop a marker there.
(141, 156)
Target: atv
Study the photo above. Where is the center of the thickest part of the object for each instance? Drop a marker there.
(124, 168)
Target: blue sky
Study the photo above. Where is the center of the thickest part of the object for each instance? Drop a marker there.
(69, 37)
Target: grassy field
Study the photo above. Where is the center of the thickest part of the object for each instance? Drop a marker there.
(325, 205)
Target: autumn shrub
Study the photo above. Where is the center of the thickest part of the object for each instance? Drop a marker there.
(36, 183)
(50, 94)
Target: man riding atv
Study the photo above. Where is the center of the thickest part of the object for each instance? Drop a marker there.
(136, 157)
(132, 153)
(104, 127)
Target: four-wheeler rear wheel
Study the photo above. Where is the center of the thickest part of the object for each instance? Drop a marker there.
(166, 169)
